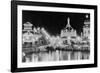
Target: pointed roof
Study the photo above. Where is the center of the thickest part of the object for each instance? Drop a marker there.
(28, 24)
(68, 23)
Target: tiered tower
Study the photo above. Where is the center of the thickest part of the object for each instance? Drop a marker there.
(86, 27)
(68, 31)
(27, 26)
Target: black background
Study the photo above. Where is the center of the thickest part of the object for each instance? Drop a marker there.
(54, 22)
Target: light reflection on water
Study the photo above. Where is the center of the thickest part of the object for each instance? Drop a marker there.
(56, 56)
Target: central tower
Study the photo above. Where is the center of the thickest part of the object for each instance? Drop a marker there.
(68, 31)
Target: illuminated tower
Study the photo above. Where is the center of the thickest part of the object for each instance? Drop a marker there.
(68, 31)
(27, 26)
(86, 27)
(27, 35)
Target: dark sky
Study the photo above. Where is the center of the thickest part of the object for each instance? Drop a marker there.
(53, 22)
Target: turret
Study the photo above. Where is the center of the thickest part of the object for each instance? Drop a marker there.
(86, 27)
(27, 26)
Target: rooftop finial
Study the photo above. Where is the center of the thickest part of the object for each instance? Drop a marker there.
(68, 22)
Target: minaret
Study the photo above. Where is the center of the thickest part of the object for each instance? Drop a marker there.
(68, 26)
(86, 27)
(68, 23)
(68, 31)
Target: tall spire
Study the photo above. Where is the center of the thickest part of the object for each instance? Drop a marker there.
(68, 20)
(68, 23)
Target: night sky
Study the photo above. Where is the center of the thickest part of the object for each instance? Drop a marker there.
(54, 22)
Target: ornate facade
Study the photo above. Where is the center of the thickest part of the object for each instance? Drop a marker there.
(86, 28)
(68, 31)
(32, 35)
(27, 35)
(27, 26)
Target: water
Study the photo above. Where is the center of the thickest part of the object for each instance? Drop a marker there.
(56, 56)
